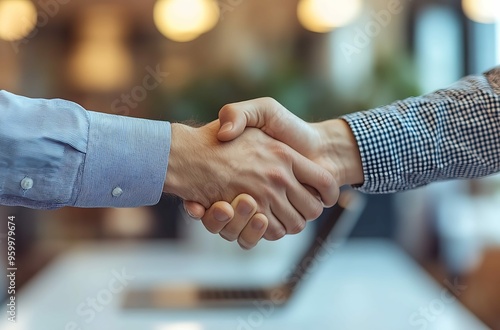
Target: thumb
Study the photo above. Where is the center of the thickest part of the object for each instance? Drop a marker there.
(253, 113)
(233, 121)
(194, 210)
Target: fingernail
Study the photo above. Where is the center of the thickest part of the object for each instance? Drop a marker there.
(244, 244)
(189, 213)
(244, 208)
(226, 127)
(258, 224)
(220, 215)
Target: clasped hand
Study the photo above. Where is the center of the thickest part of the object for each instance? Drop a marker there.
(278, 173)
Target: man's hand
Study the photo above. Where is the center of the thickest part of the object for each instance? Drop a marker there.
(203, 169)
(236, 221)
(330, 144)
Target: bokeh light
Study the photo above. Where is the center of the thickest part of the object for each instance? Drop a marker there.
(325, 15)
(482, 11)
(185, 20)
(17, 19)
(100, 60)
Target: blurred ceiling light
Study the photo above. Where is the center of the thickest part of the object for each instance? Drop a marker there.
(100, 60)
(17, 19)
(103, 21)
(482, 11)
(325, 15)
(185, 20)
(101, 66)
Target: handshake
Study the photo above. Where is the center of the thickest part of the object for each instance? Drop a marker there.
(260, 171)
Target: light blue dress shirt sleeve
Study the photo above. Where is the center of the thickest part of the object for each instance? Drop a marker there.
(54, 153)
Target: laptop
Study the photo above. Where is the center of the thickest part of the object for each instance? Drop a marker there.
(334, 230)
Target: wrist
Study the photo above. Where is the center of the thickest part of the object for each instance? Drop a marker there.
(190, 173)
(340, 146)
(177, 159)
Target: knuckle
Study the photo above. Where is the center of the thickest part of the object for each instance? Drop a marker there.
(275, 106)
(277, 176)
(270, 99)
(282, 152)
(315, 211)
(226, 108)
(326, 180)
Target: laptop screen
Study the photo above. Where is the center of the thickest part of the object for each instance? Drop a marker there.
(337, 224)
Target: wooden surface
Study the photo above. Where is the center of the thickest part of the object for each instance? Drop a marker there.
(482, 296)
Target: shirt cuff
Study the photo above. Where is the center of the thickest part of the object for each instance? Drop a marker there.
(360, 127)
(125, 163)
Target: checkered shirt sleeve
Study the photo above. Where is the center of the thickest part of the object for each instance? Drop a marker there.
(451, 133)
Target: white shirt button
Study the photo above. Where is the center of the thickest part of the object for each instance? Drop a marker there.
(117, 192)
(27, 183)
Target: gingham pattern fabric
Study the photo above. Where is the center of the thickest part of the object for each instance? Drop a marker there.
(452, 133)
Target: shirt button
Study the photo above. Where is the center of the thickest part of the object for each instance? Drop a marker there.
(117, 192)
(26, 183)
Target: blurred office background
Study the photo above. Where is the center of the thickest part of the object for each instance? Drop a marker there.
(184, 59)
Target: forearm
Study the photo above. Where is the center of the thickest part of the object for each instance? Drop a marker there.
(452, 133)
(68, 156)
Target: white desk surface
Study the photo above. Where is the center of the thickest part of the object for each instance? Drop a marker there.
(366, 284)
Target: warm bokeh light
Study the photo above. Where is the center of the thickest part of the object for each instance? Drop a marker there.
(185, 20)
(103, 21)
(101, 66)
(325, 15)
(482, 11)
(101, 61)
(17, 19)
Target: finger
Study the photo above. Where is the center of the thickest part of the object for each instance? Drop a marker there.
(244, 208)
(275, 229)
(307, 204)
(217, 217)
(313, 175)
(283, 183)
(232, 122)
(258, 113)
(194, 210)
(313, 192)
(263, 113)
(287, 214)
(253, 231)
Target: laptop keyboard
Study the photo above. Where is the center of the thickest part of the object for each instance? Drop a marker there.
(232, 294)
